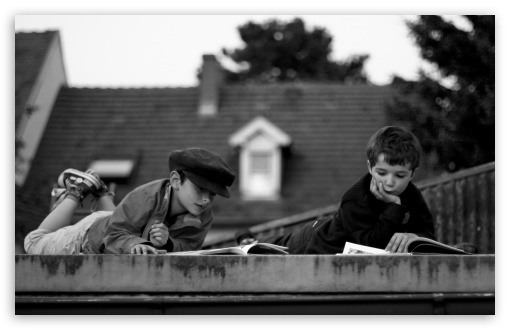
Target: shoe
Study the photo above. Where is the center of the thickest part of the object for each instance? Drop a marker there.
(78, 184)
(103, 189)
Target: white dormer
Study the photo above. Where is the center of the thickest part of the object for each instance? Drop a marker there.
(260, 143)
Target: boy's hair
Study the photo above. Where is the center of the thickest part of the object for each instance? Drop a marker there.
(182, 175)
(398, 145)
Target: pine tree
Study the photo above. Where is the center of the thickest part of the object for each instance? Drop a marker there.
(456, 121)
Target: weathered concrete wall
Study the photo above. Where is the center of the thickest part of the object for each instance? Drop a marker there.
(255, 274)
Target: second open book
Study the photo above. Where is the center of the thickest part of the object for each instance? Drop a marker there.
(415, 246)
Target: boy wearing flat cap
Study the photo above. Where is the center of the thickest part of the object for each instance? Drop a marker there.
(166, 215)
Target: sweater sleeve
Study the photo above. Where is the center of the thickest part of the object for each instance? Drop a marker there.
(368, 227)
(127, 223)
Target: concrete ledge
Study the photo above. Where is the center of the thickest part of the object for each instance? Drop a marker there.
(254, 274)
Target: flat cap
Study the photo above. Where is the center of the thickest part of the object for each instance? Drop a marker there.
(204, 168)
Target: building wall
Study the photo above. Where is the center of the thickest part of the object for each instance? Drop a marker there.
(44, 93)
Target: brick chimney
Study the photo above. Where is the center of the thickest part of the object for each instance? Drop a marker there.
(209, 89)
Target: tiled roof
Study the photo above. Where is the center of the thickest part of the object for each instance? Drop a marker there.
(30, 51)
(329, 125)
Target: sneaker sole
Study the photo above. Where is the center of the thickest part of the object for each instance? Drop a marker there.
(80, 174)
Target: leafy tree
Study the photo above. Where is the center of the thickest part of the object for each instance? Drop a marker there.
(455, 123)
(276, 51)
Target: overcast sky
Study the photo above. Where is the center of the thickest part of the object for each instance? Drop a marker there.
(166, 50)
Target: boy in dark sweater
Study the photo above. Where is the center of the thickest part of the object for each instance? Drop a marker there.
(382, 210)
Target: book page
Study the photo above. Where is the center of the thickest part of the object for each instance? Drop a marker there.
(254, 248)
(264, 248)
(277, 247)
(422, 245)
(352, 248)
(219, 251)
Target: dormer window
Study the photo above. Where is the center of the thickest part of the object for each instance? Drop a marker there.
(260, 143)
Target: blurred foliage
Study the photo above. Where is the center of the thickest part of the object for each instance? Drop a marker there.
(455, 122)
(279, 51)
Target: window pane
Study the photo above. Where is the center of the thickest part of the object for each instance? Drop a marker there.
(260, 163)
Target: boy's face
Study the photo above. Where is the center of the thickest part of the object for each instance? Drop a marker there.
(394, 178)
(192, 198)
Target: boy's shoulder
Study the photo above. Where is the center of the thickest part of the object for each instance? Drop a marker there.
(152, 186)
(359, 190)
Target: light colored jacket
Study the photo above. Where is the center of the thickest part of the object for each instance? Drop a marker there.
(130, 222)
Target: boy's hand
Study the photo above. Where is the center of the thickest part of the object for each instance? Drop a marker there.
(145, 249)
(378, 191)
(158, 234)
(398, 242)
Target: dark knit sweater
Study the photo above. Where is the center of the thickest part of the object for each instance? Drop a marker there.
(362, 219)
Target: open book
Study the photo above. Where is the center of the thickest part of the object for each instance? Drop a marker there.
(254, 248)
(417, 245)
(352, 248)
(422, 245)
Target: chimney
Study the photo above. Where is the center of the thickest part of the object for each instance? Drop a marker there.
(209, 89)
